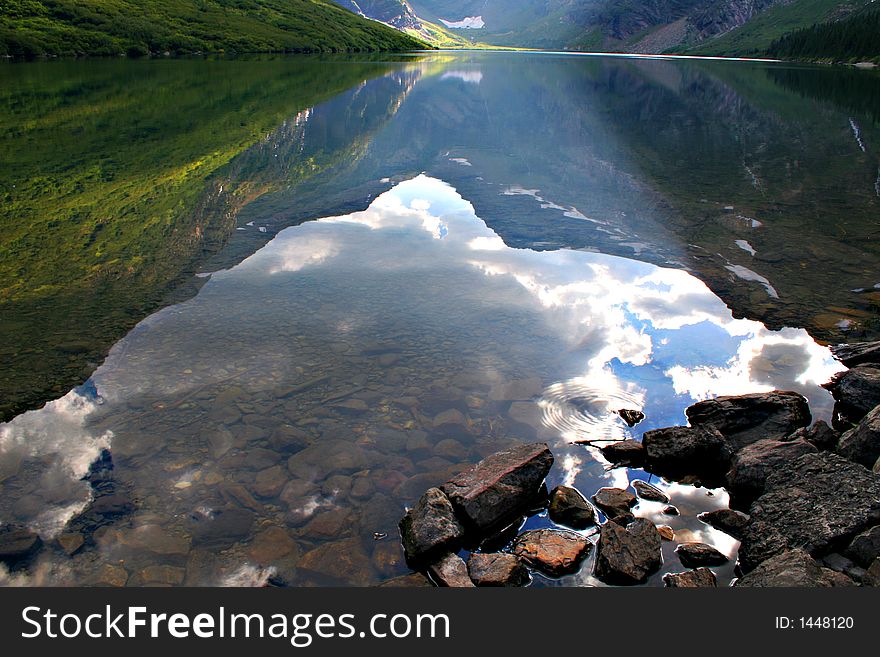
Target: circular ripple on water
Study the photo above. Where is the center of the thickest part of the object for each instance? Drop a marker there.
(580, 410)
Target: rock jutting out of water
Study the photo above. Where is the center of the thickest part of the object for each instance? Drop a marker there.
(568, 507)
(856, 393)
(554, 552)
(691, 579)
(628, 555)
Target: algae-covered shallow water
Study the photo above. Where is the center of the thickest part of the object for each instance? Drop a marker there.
(451, 254)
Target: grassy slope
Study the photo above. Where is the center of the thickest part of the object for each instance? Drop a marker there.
(755, 37)
(137, 27)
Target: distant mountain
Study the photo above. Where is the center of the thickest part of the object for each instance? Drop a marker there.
(400, 14)
(140, 27)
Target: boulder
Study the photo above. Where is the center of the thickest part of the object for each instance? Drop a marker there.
(17, 544)
(745, 419)
(628, 555)
(857, 392)
(649, 492)
(677, 452)
(500, 486)
(430, 527)
(625, 452)
(862, 443)
(872, 576)
(694, 555)
(820, 435)
(754, 463)
(554, 552)
(614, 502)
(733, 523)
(865, 547)
(568, 507)
(857, 353)
(451, 571)
(793, 568)
(817, 503)
(630, 416)
(497, 569)
(839, 563)
(690, 579)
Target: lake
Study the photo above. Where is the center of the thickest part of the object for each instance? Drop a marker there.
(250, 310)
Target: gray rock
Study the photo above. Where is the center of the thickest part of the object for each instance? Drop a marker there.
(676, 452)
(865, 547)
(223, 528)
(820, 435)
(872, 576)
(628, 555)
(754, 463)
(745, 419)
(568, 507)
(500, 486)
(614, 502)
(857, 392)
(793, 568)
(554, 552)
(839, 563)
(497, 569)
(690, 579)
(857, 353)
(625, 452)
(694, 555)
(450, 570)
(733, 523)
(817, 503)
(862, 444)
(430, 527)
(649, 492)
(17, 544)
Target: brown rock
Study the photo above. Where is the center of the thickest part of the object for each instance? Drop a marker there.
(271, 481)
(430, 528)
(270, 545)
(625, 452)
(450, 570)
(343, 560)
(694, 555)
(554, 552)
(628, 555)
(70, 543)
(568, 507)
(497, 569)
(614, 502)
(690, 579)
(793, 568)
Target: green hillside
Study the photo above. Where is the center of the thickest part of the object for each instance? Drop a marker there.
(30, 28)
(856, 38)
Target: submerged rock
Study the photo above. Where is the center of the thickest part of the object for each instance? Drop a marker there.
(554, 552)
(345, 561)
(733, 523)
(409, 581)
(17, 544)
(497, 569)
(430, 527)
(450, 570)
(625, 452)
(568, 507)
(694, 555)
(649, 492)
(862, 444)
(754, 463)
(857, 392)
(745, 419)
(500, 486)
(793, 568)
(614, 502)
(677, 452)
(815, 503)
(690, 579)
(628, 555)
(223, 528)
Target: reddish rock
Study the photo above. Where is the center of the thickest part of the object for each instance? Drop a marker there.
(552, 551)
(497, 569)
(628, 555)
(690, 579)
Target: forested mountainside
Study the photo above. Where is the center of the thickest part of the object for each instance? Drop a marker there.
(856, 38)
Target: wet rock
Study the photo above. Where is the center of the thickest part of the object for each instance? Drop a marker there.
(221, 441)
(362, 488)
(147, 538)
(237, 495)
(222, 528)
(450, 449)
(872, 576)
(345, 561)
(862, 443)
(71, 543)
(258, 458)
(497, 569)
(793, 568)
(857, 392)
(628, 555)
(288, 439)
(109, 576)
(328, 524)
(865, 547)
(500, 486)
(675, 452)
(733, 523)
(857, 353)
(819, 434)
(694, 555)
(649, 492)
(666, 532)
(18, 544)
(568, 507)
(270, 482)
(816, 503)
(352, 406)
(630, 416)
(839, 563)
(162, 575)
(516, 390)
(409, 581)
(388, 557)
(670, 510)
(554, 552)
(318, 461)
(754, 463)
(625, 452)
(690, 579)
(430, 527)
(271, 545)
(450, 419)
(745, 419)
(450, 570)
(614, 502)
(527, 413)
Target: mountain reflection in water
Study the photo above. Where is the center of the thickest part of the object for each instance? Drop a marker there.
(304, 397)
